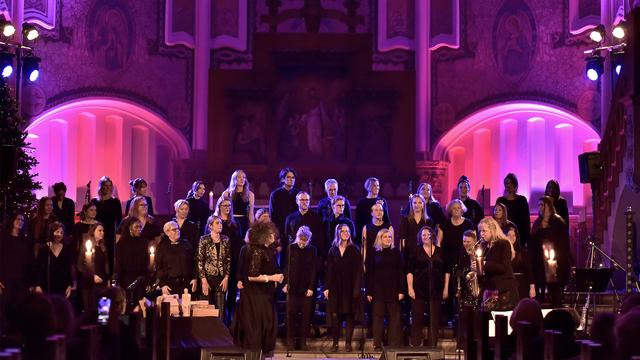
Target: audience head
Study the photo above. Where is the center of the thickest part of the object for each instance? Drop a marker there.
(287, 177)
(630, 302)
(384, 240)
(182, 208)
(36, 319)
(627, 331)
(262, 233)
(560, 320)
(527, 310)
(372, 185)
(60, 189)
(552, 189)
(510, 183)
(138, 186)
(602, 332)
(89, 212)
(63, 315)
(331, 188)
(303, 236)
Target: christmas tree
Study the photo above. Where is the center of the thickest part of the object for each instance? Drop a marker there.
(17, 184)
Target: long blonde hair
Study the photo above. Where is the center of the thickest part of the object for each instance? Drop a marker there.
(378, 243)
(496, 232)
(411, 215)
(233, 183)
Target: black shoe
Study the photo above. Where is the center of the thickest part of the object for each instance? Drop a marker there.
(347, 347)
(334, 347)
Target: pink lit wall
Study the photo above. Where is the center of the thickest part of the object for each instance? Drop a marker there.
(535, 141)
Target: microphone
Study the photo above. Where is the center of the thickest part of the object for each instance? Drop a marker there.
(135, 283)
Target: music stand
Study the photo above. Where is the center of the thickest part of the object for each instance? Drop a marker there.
(592, 281)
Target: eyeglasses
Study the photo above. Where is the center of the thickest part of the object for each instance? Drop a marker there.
(225, 205)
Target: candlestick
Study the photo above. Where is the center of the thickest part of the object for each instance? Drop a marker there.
(88, 254)
(152, 257)
(210, 200)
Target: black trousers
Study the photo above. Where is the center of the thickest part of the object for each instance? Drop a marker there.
(555, 289)
(298, 318)
(336, 325)
(394, 329)
(216, 295)
(418, 306)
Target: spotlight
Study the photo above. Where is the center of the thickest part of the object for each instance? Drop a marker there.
(618, 30)
(6, 63)
(31, 68)
(597, 34)
(617, 58)
(595, 66)
(7, 28)
(29, 32)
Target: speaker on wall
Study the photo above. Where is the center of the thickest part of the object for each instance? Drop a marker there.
(411, 353)
(590, 167)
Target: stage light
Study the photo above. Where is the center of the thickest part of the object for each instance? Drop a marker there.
(7, 28)
(31, 68)
(617, 58)
(6, 63)
(597, 34)
(595, 66)
(29, 32)
(618, 31)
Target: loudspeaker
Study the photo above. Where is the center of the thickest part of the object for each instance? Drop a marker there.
(590, 167)
(229, 353)
(411, 353)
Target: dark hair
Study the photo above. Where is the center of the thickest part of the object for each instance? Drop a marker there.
(36, 320)
(548, 203)
(283, 173)
(63, 315)
(464, 179)
(137, 183)
(513, 178)
(631, 301)
(432, 237)
(552, 183)
(8, 224)
(92, 231)
(470, 233)
(85, 208)
(511, 226)
(41, 204)
(258, 233)
(59, 186)
(53, 227)
(194, 187)
(560, 320)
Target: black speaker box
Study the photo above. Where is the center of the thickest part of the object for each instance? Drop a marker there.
(590, 167)
(411, 353)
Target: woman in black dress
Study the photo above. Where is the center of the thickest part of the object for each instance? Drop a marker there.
(54, 263)
(109, 213)
(425, 283)
(500, 215)
(188, 229)
(385, 283)
(214, 265)
(242, 200)
(343, 278)
(41, 223)
(412, 223)
(198, 208)
(255, 324)
(521, 264)
(81, 229)
(370, 231)
(434, 209)
(230, 228)
(363, 207)
(139, 188)
(93, 267)
(132, 257)
(499, 284)
(151, 230)
(450, 239)
(517, 208)
(474, 211)
(559, 203)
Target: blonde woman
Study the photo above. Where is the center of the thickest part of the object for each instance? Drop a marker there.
(242, 200)
(413, 222)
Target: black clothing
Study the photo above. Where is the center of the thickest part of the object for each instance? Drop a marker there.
(330, 224)
(326, 210)
(293, 222)
(562, 209)
(199, 213)
(452, 242)
(16, 272)
(175, 265)
(149, 205)
(434, 211)
(231, 229)
(371, 231)
(518, 213)
(343, 279)
(79, 235)
(300, 272)
(132, 259)
(189, 232)
(556, 233)
(54, 272)
(65, 214)
(299, 310)
(498, 274)
(385, 275)
(363, 213)
(109, 213)
(241, 212)
(394, 326)
(282, 202)
(425, 270)
(150, 231)
(100, 267)
(409, 232)
(39, 229)
(474, 212)
(522, 271)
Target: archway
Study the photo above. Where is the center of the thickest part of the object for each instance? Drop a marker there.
(82, 140)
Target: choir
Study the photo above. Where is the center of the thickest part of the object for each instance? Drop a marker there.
(440, 259)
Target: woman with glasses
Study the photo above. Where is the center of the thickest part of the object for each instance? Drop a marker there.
(230, 228)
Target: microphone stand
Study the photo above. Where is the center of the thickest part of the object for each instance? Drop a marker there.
(595, 247)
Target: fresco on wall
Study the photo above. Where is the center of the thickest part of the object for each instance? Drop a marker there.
(109, 35)
(250, 127)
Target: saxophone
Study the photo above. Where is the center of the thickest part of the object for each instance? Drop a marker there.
(473, 281)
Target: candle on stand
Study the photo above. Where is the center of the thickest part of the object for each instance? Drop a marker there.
(552, 264)
(479, 268)
(88, 254)
(152, 257)
(210, 200)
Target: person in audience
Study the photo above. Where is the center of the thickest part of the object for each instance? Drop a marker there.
(343, 277)
(630, 302)
(549, 232)
(300, 284)
(412, 223)
(63, 207)
(150, 231)
(563, 321)
(601, 331)
(109, 213)
(214, 264)
(81, 229)
(499, 283)
(35, 321)
(370, 231)
(552, 190)
(282, 202)
(175, 262)
(527, 310)
(94, 268)
(385, 284)
(517, 208)
(473, 211)
(363, 207)
(54, 263)
(231, 229)
(188, 229)
(335, 217)
(626, 333)
(307, 217)
(139, 188)
(325, 205)
(255, 325)
(41, 223)
(198, 208)
(425, 284)
(242, 200)
(521, 264)
(116, 342)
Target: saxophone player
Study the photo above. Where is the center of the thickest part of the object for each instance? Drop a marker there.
(468, 281)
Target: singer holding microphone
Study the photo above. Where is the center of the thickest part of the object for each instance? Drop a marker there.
(55, 261)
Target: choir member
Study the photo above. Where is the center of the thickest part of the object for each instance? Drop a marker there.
(175, 262)
(255, 324)
(412, 223)
(499, 284)
(550, 232)
(559, 203)
(300, 283)
(342, 285)
(54, 263)
(230, 228)
(425, 283)
(139, 188)
(282, 200)
(262, 215)
(517, 208)
(521, 264)
(385, 288)
(41, 222)
(335, 217)
(363, 208)
(132, 256)
(466, 285)
(109, 213)
(16, 265)
(150, 229)
(370, 231)
(303, 216)
(325, 205)
(93, 267)
(474, 211)
(434, 209)
(188, 229)
(500, 215)
(242, 200)
(63, 207)
(198, 208)
(214, 264)
(81, 229)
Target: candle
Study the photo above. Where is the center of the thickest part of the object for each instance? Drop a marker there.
(88, 254)
(210, 200)
(479, 261)
(152, 257)
(552, 264)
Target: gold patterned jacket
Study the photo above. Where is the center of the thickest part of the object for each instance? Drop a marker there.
(210, 262)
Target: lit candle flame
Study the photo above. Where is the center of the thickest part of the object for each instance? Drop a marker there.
(210, 193)
(479, 252)
(152, 250)
(552, 254)
(88, 245)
